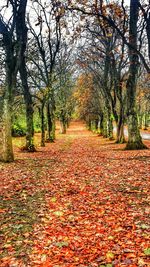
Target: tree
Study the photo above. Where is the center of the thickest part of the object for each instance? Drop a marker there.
(101, 10)
(88, 104)
(64, 86)
(7, 31)
(46, 38)
(21, 32)
(105, 55)
(143, 98)
(134, 139)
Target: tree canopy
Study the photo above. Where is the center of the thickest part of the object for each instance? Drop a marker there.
(48, 47)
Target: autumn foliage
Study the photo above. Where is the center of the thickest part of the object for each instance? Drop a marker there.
(86, 97)
(84, 203)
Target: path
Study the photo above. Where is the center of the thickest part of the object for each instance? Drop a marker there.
(81, 201)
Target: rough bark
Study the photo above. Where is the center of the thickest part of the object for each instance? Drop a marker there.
(42, 126)
(146, 120)
(7, 154)
(105, 124)
(11, 71)
(29, 107)
(63, 121)
(134, 138)
(21, 32)
(108, 122)
(7, 95)
(110, 128)
(7, 149)
(120, 126)
(50, 124)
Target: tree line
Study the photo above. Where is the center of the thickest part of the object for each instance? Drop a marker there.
(56, 55)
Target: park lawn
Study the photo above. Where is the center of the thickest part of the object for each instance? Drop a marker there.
(81, 201)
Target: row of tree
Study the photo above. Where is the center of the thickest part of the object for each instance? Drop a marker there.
(46, 45)
(90, 106)
(35, 68)
(116, 47)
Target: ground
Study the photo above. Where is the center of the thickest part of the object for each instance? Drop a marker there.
(81, 201)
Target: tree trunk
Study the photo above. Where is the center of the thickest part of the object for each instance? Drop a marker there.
(7, 147)
(50, 124)
(29, 107)
(89, 124)
(42, 126)
(96, 124)
(63, 121)
(145, 120)
(105, 125)
(67, 122)
(21, 33)
(134, 138)
(110, 128)
(109, 121)
(121, 137)
(120, 126)
(100, 124)
(140, 119)
(7, 150)
(53, 127)
(62, 126)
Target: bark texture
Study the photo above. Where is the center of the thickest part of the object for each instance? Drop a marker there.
(134, 138)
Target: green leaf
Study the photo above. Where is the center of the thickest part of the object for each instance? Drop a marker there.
(18, 226)
(110, 255)
(53, 199)
(62, 244)
(58, 213)
(144, 226)
(147, 251)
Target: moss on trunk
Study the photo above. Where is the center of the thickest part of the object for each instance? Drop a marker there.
(7, 150)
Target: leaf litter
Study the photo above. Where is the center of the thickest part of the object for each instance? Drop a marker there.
(82, 201)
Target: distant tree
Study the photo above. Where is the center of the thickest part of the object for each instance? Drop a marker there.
(64, 86)
(143, 98)
(87, 100)
(45, 44)
(102, 10)
(105, 55)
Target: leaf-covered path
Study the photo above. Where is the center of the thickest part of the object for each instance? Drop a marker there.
(81, 201)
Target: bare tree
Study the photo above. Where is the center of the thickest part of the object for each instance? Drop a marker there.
(46, 39)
